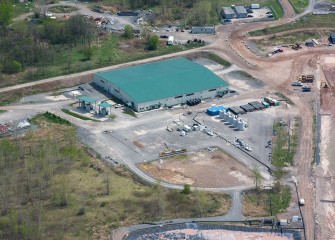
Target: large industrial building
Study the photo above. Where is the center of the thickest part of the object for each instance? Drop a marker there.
(161, 84)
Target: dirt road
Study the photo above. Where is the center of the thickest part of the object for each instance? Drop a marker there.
(276, 73)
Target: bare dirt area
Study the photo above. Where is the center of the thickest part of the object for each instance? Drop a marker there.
(325, 197)
(202, 169)
(243, 81)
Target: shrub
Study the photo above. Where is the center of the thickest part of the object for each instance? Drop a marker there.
(186, 189)
(10, 67)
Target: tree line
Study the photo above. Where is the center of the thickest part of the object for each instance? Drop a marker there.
(29, 44)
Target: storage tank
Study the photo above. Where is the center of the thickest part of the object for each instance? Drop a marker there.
(226, 117)
(221, 114)
(235, 122)
(240, 125)
(231, 119)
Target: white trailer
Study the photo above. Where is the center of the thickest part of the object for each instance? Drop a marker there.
(170, 40)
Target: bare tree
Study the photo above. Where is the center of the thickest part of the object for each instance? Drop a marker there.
(257, 177)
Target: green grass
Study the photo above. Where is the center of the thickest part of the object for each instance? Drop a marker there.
(73, 114)
(288, 38)
(2, 111)
(284, 146)
(62, 9)
(299, 5)
(20, 9)
(307, 21)
(50, 117)
(217, 59)
(257, 203)
(276, 8)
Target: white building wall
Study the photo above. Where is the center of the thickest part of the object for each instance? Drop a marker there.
(165, 102)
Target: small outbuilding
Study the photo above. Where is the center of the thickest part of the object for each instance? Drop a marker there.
(227, 13)
(240, 11)
(255, 6)
(88, 103)
(332, 38)
(206, 30)
(104, 108)
(215, 110)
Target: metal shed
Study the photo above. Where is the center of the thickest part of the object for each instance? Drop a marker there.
(240, 11)
(206, 30)
(103, 106)
(255, 6)
(227, 13)
(83, 101)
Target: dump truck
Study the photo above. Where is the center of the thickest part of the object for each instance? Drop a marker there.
(306, 78)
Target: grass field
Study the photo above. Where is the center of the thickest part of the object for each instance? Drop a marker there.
(285, 143)
(308, 21)
(257, 203)
(73, 114)
(299, 5)
(288, 38)
(217, 59)
(3, 111)
(52, 187)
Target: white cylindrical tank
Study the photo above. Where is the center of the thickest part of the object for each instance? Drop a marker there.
(226, 116)
(235, 122)
(240, 125)
(231, 119)
(222, 112)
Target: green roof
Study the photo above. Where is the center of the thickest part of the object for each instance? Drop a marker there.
(105, 105)
(163, 79)
(87, 99)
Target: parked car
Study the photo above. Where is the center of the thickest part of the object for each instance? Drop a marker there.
(297, 83)
(301, 202)
(118, 106)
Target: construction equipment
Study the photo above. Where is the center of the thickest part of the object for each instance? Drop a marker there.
(167, 152)
(323, 84)
(306, 78)
(297, 46)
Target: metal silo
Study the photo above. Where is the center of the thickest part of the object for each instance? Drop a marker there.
(222, 112)
(240, 125)
(235, 122)
(231, 119)
(226, 116)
